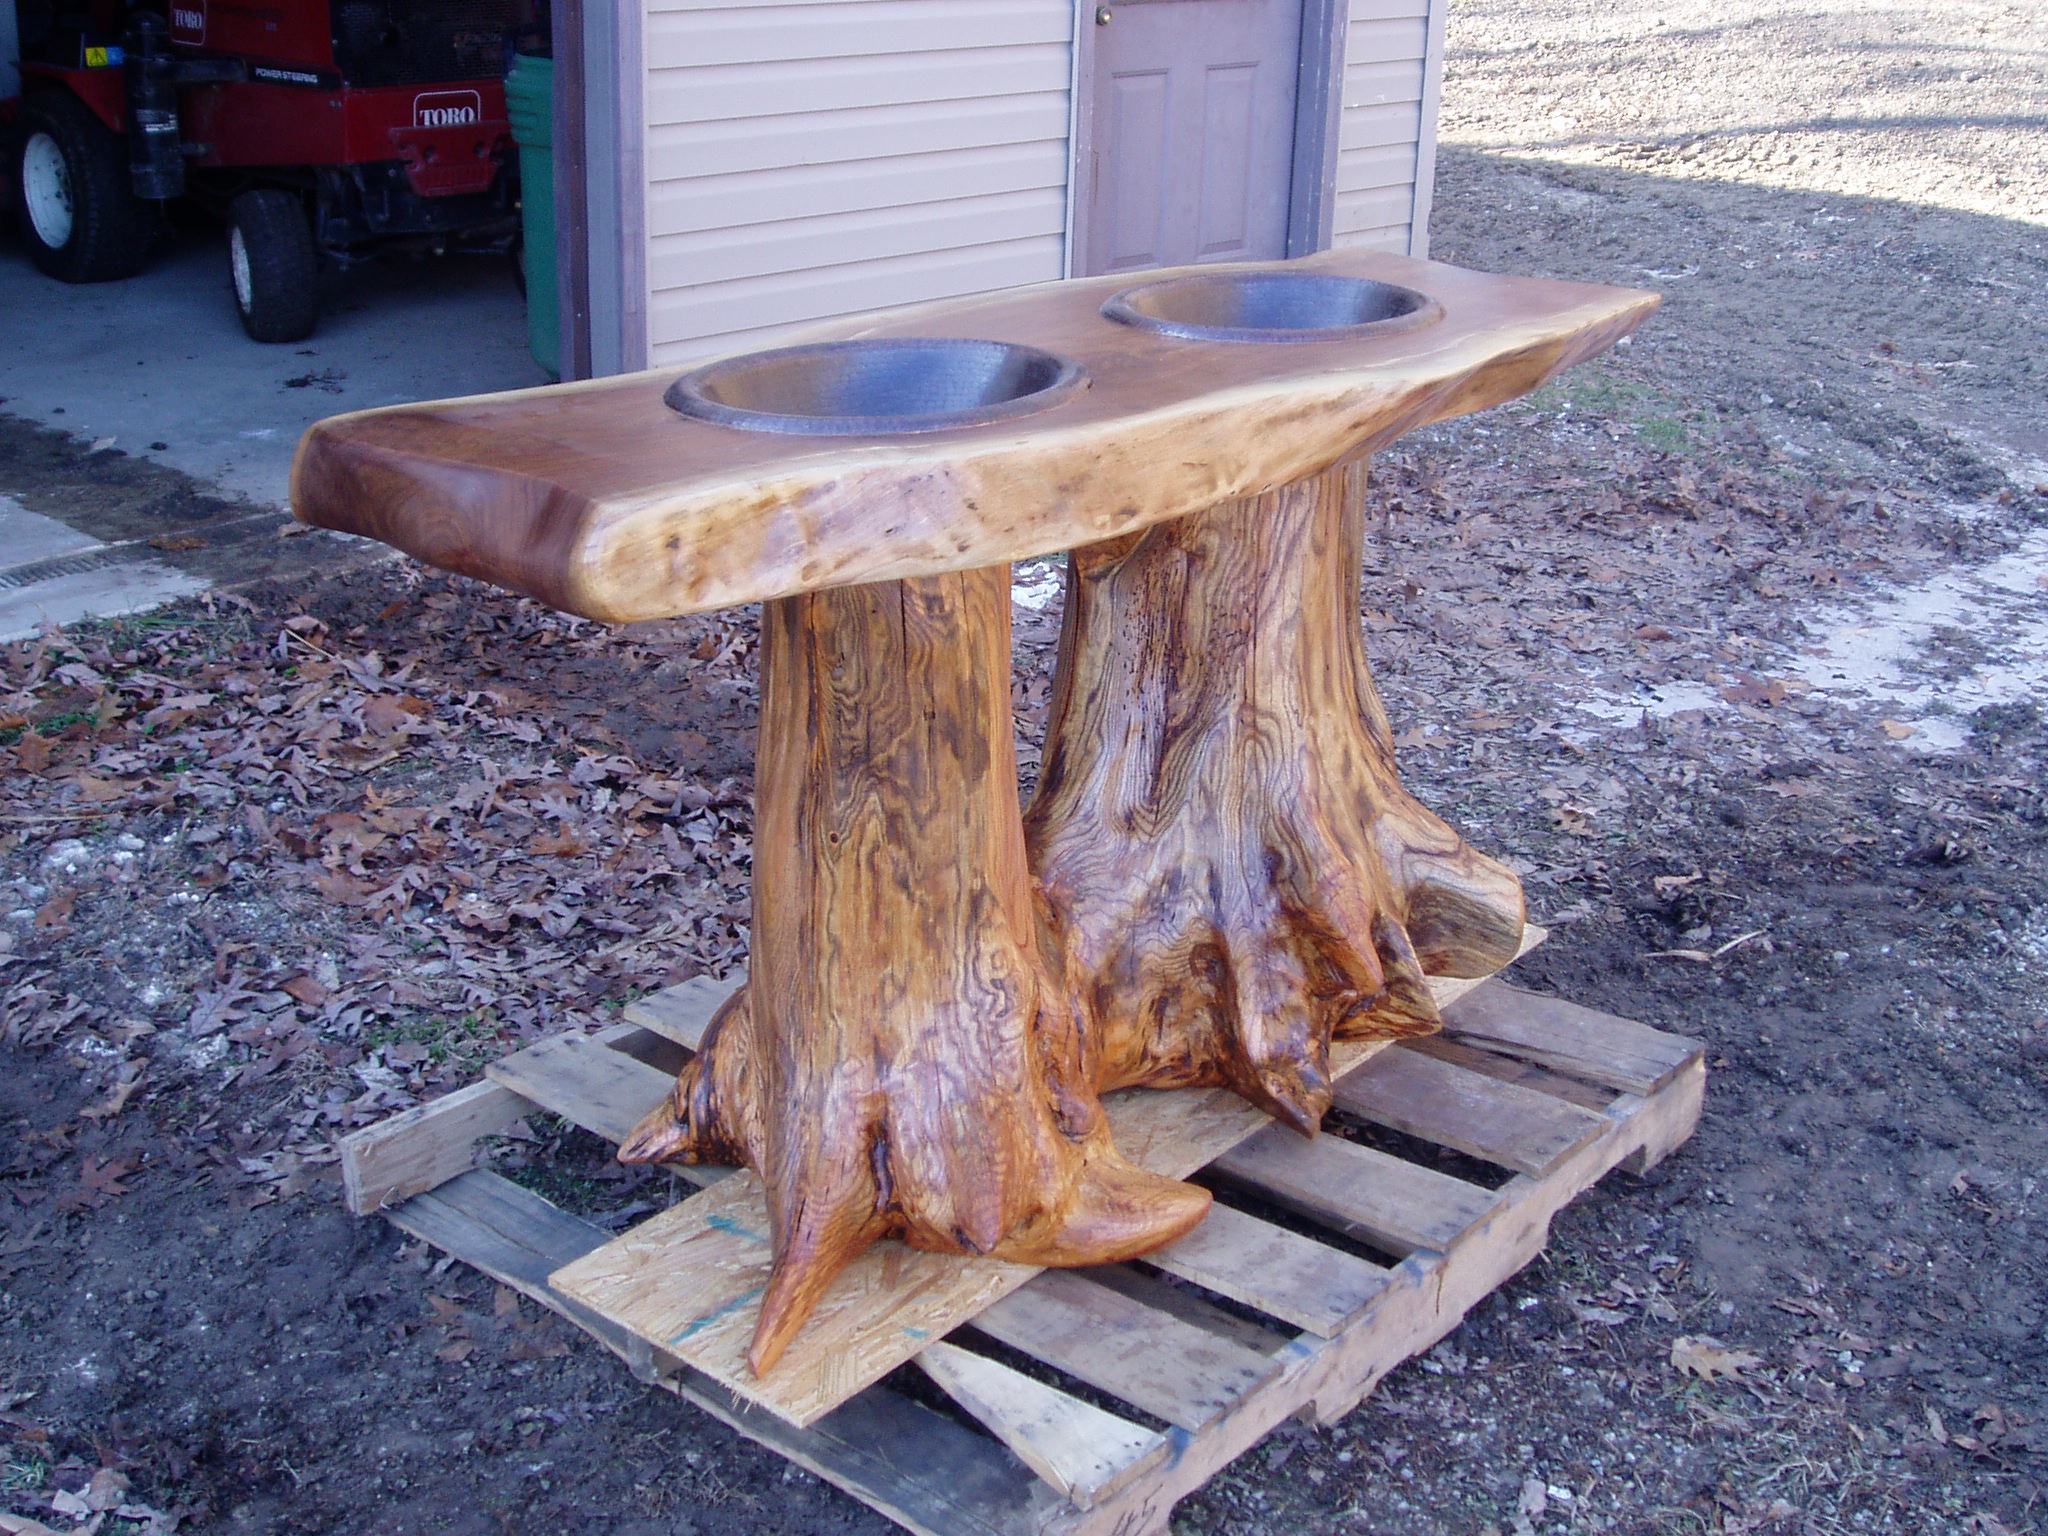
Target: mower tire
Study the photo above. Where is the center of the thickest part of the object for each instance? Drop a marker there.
(84, 223)
(274, 265)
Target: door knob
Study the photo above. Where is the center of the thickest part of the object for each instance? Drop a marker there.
(1102, 15)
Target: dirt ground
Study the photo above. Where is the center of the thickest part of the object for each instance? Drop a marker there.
(1733, 642)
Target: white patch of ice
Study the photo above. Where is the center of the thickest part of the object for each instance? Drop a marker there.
(1871, 656)
(1878, 655)
(1037, 586)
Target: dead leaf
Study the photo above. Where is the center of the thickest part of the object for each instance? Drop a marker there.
(1898, 730)
(340, 886)
(564, 844)
(98, 791)
(388, 712)
(457, 1352)
(21, 1525)
(33, 752)
(56, 912)
(1761, 692)
(308, 991)
(177, 543)
(116, 1101)
(1710, 1359)
(107, 1490)
(1606, 1317)
(73, 1506)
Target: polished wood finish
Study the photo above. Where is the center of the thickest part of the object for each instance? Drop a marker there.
(1230, 875)
(903, 1063)
(599, 499)
(690, 1280)
(1229, 861)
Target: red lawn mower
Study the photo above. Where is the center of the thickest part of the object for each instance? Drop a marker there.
(321, 131)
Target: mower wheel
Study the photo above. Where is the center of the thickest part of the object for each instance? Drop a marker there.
(83, 222)
(274, 265)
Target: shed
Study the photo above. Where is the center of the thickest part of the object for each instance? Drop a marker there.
(749, 167)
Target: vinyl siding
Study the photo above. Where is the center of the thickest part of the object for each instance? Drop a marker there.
(1386, 126)
(817, 158)
(826, 157)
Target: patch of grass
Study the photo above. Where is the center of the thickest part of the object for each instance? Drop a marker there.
(48, 727)
(21, 1476)
(1666, 434)
(468, 1039)
(1661, 421)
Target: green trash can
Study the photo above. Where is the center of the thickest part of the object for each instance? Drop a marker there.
(529, 102)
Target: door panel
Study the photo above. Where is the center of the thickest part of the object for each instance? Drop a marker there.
(1229, 105)
(1139, 123)
(1190, 137)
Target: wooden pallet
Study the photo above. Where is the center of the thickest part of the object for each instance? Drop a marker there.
(1091, 1401)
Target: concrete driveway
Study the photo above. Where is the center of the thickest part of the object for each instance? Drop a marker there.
(157, 368)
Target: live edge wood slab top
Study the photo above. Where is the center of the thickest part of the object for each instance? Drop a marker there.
(601, 500)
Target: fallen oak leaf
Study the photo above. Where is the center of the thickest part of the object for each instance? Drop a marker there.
(1709, 1359)
(34, 752)
(117, 1100)
(22, 1525)
(307, 990)
(563, 844)
(388, 712)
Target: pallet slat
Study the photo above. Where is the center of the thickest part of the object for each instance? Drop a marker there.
(1510, 1069)
(1552, 1032)
(1147, 1357)
(689, 1281)
(585, 1081)
(681, 1013)
(1434, 1099)
(1079, 1450)
(1361, 1192)
(925, 1473)
(1284, 1274)
(1072, 1469)
(423, 1147)
(1162, 1295)
(514, 1236)
(700, 1298)
(1426, 1297)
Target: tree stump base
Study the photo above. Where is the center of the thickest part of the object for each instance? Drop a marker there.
(1227, 857)
(902, 1062)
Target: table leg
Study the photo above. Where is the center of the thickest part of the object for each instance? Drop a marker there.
(902, 1063)
(1222, 843)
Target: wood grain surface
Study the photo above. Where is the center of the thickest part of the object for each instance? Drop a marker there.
(902, 1063)
(1230, 876)
(1230, 865)
(598, 498)
(690, 1281)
